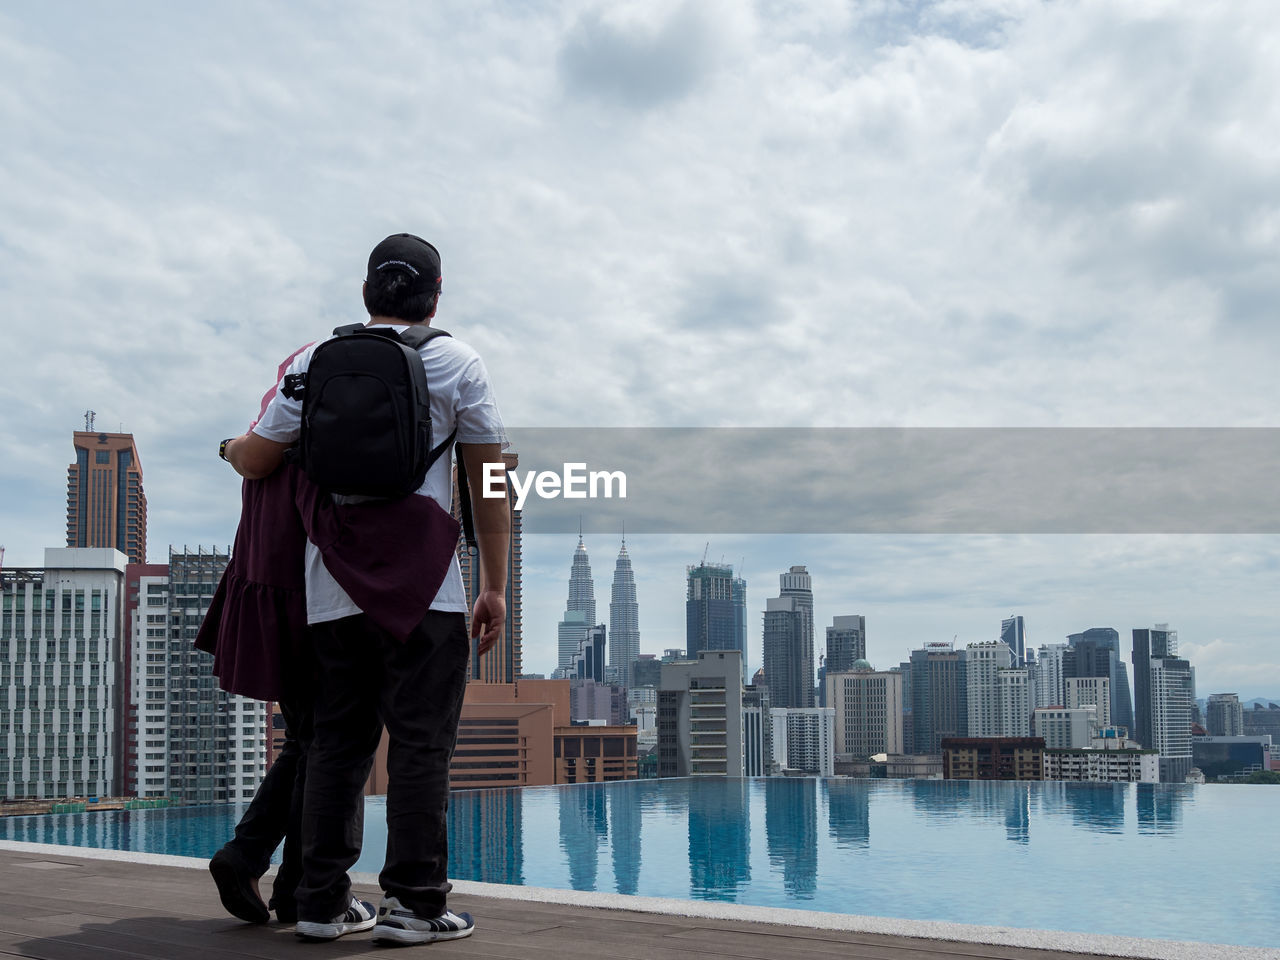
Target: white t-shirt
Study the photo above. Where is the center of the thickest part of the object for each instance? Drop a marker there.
(461, 395)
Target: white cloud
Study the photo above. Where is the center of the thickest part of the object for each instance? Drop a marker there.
(1007, 213)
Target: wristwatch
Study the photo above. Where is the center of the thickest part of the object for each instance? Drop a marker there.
(222, 448)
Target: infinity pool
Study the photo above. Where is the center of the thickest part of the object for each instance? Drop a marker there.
(1146, 860)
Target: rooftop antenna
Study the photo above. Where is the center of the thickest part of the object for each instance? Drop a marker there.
(89, 416)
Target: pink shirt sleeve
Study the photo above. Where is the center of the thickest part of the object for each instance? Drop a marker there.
(280, 370)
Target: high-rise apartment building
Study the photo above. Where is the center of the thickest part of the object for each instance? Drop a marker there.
(1048, 674)
(868, 711)
(1163, 686)
(1017, 700)
(804, 740)
(624, 619)
(1090, 691)
(939, 696)
(1013, 633)
(503, 663)
(715, 611)
(700, 726)
(105, 503)
(582, 600)
(983, 664)
(788, 641)
(1065, 728)
(1096, 653)
(846, 643)
(61, 675)
(199, 744)
(1224, 715)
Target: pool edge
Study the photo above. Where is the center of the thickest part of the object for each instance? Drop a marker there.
(1088, 943)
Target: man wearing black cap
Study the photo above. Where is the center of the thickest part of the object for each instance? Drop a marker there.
(365, 676)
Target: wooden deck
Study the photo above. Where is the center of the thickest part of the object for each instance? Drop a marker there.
(59, 907)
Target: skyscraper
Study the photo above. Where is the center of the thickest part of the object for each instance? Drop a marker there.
(715, 611)
(846, 643)
(582, 600)
(504, 662)
(105, 503)
(1163, 695)
(1048, 675)
(868, 711)
(201, 744)
(984, 662)
(788, 641)
(939, 696)
(700, 727)
(624, 619)
(61, 675)
(1096, 653)
(1013, 633)
(1224, 715)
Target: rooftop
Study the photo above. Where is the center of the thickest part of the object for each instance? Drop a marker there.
(61, 902)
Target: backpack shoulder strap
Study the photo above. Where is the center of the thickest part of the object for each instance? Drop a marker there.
(348, 329)
(417, 335)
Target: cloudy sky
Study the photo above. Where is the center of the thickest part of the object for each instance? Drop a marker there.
(664, 214)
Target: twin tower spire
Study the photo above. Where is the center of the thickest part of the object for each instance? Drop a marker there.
(580, 614)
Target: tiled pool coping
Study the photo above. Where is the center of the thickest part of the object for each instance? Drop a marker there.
(1098, 944)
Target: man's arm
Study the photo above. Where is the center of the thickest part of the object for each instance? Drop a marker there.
(493, 535)
(255, 457)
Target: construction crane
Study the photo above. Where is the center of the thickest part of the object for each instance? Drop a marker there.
(704, 553)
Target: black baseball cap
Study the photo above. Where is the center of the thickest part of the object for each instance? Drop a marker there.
(410, 255)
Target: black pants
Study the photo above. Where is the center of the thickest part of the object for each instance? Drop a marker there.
(365, 679)
(276, 810)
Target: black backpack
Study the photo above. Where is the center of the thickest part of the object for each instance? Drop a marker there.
(366, 414)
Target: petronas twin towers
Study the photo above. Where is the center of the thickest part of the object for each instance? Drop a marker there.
(580, 613)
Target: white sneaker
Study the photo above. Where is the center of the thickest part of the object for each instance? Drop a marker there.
(399, 924)
(359, 916)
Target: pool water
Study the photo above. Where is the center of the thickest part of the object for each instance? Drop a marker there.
(1147, 860)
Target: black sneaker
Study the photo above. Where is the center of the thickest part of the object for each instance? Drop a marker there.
(237, 889)
(359, 916)
(399, 924)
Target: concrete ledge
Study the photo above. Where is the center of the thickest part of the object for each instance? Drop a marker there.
(1089, 943)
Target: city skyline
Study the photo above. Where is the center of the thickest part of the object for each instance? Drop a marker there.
(901, 622)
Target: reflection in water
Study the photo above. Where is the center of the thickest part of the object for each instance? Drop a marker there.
(719, 839)
(1017, 813)
(182, 831)
(791, 832)
(486, 839)
(1160, 806)
(936, 854)
(948, 799)
(1092, 806)
(583, 824)
(624, 823)
(849, 810)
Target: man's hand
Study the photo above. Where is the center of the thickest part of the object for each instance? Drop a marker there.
(490, 616)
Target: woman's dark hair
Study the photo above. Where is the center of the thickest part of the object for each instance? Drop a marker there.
(391, 293)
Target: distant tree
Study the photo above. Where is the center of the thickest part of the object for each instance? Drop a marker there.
(1263, 776)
